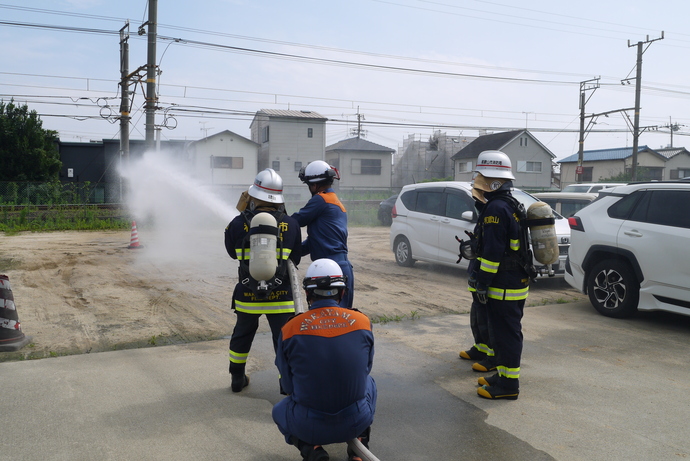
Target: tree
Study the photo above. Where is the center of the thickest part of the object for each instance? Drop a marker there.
(27, 151)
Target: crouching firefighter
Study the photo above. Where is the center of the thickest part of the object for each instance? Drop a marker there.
(500, 271)
(325, 357)
(263, 238)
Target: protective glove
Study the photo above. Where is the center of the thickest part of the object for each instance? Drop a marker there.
(472, 282)
(481, 293)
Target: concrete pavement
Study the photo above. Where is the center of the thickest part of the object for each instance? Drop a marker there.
(592, 388)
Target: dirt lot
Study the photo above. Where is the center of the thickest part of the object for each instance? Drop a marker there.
(80, 292)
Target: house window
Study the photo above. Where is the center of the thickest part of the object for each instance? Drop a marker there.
(366, 166)
(298, 166)
(235, 163)
(464, 167)
(680, 173)
(310, 132)
(264, 134)
(523, 142)
(276, 165)
(587, 173)
(529, 167)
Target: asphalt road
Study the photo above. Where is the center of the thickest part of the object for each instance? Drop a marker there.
(592, 388)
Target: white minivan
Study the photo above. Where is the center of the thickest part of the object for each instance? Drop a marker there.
(428, 216)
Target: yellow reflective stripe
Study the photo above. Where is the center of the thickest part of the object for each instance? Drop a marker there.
(488, 266)
(514, 245)
(286, 253)
(485, 349)
(508, 295)
(238, 357)
(265, 308)
(513, 373)
(242, 253)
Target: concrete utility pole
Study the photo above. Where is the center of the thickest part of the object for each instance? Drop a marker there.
(124, 89)
(151, 99)
(638, 86)
(584, 86)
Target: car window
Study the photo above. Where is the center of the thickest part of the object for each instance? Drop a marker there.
(457, 204)
(430, 202)
(622, 208)
(576, 188)
(664, 207)
(409, 199)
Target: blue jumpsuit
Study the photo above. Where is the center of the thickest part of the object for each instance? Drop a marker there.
(326, 221)
(324, 357)
(498, 232)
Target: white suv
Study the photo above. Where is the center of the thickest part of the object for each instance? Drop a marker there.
(630, 249)
(428, 216)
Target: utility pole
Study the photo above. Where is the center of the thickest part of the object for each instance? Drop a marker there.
(638, 86)
(124, 93)
(359, 131)
(151, 99)
(124, 98)
(584, 86)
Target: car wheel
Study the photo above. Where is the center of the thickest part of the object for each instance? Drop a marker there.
(403, 252)
(613, 289)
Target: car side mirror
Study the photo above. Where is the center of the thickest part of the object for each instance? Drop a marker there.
(469, 216)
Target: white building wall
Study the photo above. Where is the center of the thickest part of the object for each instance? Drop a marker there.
(678, 162)
(351, 181)
(224, 144)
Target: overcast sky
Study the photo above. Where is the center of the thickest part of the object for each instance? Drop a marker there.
(408, 66)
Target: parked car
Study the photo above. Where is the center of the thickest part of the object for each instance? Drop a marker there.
(566, 203)
(629, 250)
(427, 217)
(385, 209)
(590, 188)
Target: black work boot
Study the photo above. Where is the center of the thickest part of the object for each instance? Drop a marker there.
(485, 365)
(490, 381)
(314, 453)
(239, 382)
(472, 354)
(496, 392)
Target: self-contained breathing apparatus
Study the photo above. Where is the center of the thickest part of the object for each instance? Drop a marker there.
(522, 259)
(265, 269)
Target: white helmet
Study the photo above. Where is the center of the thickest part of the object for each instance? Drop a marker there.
(324, 278)
(268, 186)
(318, 171)
(494, 164)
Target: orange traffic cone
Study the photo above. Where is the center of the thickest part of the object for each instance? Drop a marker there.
(11, 336)
(134, 241)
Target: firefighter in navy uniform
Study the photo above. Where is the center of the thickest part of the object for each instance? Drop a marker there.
(325, 356)
(326, 221)
(249, 300)
(501, 273)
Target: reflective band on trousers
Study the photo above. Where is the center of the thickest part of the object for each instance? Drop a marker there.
(506, 372)
(236, 357)
(508, 295)
(485, 349)
(488, 266)
(265, 308)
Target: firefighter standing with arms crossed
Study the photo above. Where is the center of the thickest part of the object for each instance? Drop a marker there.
(251, 297)
(501, 274)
